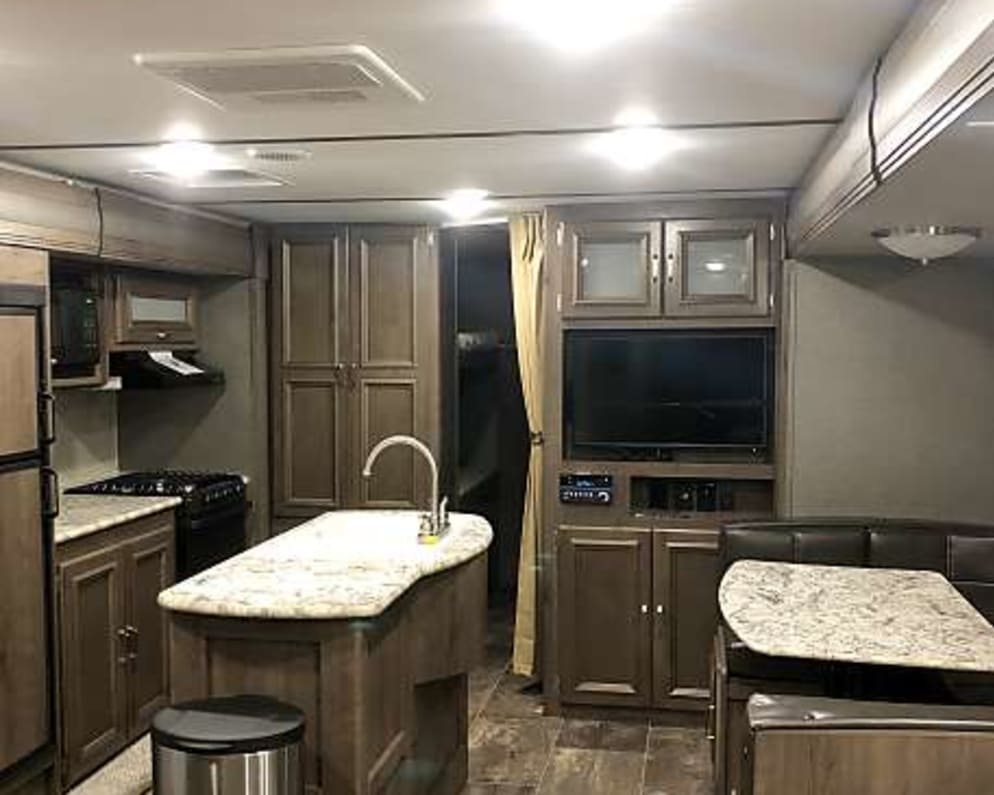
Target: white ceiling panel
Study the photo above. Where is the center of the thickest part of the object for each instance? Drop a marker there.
(522, 167)
(67, 73)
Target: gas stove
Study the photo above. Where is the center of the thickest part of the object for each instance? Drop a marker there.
(210, 522)
(200, 491)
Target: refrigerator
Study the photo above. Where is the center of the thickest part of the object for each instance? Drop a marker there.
(28, 504)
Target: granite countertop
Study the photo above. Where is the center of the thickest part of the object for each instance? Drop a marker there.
(83, 514)
(861, 615)
(344, 564)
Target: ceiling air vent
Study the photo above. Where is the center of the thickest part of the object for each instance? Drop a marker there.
(219, 178)
(280, 155)
(284, 76)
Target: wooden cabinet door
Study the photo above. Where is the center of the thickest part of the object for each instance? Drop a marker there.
(395, 378)
(604, 592)
(685, 608)
(18, 382)
(94, 660)
(149, 568)
(25, 706)
(154, 311)
(718, 268)
(612, 269)
(311, 355)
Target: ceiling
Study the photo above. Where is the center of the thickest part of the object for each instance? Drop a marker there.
(949, 183)
(752, 88)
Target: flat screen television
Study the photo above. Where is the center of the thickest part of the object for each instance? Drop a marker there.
(644, 394)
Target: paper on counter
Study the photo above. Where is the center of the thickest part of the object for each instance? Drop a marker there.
(166, 359)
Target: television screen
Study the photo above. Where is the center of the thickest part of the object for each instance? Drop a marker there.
(637, 394)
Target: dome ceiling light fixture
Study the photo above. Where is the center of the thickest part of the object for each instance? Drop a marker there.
(926, 243)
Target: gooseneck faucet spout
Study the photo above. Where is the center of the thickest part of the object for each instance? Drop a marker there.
(437, 519)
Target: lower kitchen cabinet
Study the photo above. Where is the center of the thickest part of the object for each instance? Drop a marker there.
(114, 667)
(605, 586)
(637, 610)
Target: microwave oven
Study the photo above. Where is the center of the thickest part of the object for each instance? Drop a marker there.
(75, 308)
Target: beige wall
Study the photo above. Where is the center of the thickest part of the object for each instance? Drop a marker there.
(889, 390)
(211, 428)
(86, 435)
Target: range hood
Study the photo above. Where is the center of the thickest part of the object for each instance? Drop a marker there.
(162, 370)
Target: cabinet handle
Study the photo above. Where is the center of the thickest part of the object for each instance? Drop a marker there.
(51, 492)
(122, 637)
(133, 644)
(353, 375)
(162, 335)
(660, 610)
(645, 609)
(655, 268)
(669, 268)
(46, 407)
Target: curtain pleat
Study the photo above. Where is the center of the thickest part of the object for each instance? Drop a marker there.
(527, 260)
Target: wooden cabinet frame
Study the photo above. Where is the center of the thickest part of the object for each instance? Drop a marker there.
(679, 301)
(115, 626)
(130, 333)
(365, 357)
(647, 234)
(672, 620)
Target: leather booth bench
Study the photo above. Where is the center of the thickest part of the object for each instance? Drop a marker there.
(963, 553)
(799, 744)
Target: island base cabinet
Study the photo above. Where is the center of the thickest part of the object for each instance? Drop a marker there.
(637, 610)
(113, 652)
(386, 713)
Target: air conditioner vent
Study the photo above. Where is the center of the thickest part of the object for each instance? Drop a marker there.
(219, 178)
(282, 155)
(322, 96)
(336, 74)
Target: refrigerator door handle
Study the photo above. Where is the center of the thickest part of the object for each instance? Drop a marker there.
(51, 491)
(46, 408)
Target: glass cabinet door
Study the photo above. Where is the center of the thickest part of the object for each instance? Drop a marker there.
(612, 269)
(154, 310)
(718, 267)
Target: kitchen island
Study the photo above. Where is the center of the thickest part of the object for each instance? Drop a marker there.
(371, 634)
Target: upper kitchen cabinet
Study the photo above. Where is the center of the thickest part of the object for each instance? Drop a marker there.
(611, 269)
(718, 268)
(154, 310)
(163, 237)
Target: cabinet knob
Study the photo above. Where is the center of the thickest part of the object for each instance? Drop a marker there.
(162, 335)
(645, 609)
(660, 610)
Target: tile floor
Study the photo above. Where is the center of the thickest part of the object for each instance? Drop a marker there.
(514, 749)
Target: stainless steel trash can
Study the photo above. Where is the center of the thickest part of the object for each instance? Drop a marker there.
(236, 745)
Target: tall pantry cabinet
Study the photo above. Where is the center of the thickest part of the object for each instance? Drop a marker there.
(28, 500)
(355, 358)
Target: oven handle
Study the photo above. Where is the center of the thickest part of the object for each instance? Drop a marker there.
(204, 520)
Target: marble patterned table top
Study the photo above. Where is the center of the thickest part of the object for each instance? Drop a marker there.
(343, 564)
(83, 514)
(858, 615)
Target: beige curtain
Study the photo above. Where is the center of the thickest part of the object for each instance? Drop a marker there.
(527, 258)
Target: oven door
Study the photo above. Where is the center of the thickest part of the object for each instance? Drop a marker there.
(205, 539)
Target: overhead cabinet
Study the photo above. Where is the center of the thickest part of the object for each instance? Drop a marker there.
(708, 268)
(154, 311)
(637, 609)
(114, 664)
(356, 357)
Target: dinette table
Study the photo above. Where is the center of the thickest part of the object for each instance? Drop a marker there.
(865, 616)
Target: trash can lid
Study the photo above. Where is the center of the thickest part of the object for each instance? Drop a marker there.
(228, 725)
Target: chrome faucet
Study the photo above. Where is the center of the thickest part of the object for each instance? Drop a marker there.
(439, 515)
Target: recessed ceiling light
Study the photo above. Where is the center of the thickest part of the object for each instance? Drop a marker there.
(464, 204)
(184, 159)
(582, 26)
(715, 267)
(927, 243)
(638, 143)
